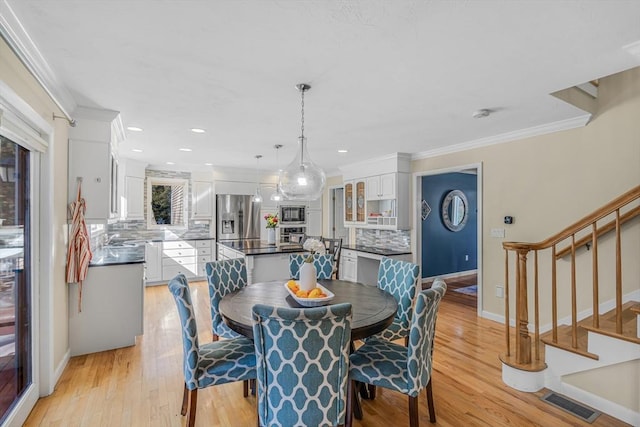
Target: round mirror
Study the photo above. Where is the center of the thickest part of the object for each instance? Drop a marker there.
(455, 210)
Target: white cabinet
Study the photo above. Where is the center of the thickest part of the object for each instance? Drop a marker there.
(227, 253)
(153, 261)
(202, 199)
(93, 143)
(90, 162)
(112, 309)
(314, 222)
(348, 265)
(381, 187)
(133, 202)
(131, 182)
(179, 256)
(204, 254)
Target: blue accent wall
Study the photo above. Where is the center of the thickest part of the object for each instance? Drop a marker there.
(444, 251)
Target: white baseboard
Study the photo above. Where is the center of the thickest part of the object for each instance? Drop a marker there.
(61, 366)
(450, 275)
(601, 404)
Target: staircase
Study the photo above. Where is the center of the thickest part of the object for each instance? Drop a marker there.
(577, 331)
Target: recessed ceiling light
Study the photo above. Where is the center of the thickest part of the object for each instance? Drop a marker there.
(197, 130)
(343, 151)
(170, 163)
(136, 150)
(186, 149)
(208, 164)
(134, 128)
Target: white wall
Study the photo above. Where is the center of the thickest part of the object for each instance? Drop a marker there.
(548, 182)
(13, 73)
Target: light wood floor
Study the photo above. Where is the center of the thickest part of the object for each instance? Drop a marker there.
(142, 385)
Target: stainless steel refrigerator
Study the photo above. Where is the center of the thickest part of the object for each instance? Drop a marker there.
(237, 217)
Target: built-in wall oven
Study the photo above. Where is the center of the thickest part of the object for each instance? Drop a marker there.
(287, 234)
(292, 215)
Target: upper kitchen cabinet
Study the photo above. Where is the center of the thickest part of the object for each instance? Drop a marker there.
(131, 181)
(377, 193)
(93, 162)
(202, 195)
(381, 187)
(202, 199)
(355, 202)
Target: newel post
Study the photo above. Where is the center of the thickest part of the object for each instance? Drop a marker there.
(523, 340)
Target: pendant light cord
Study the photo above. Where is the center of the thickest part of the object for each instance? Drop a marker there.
(302, 113)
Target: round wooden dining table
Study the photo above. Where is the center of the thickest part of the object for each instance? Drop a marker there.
(372, 308)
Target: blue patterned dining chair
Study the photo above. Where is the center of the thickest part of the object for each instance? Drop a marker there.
(302, 364)
(214, 363)
(406, 369)
(224, 277)
(400, 279)
(323, 264)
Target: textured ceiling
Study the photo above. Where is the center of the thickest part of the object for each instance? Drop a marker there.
(386, 76)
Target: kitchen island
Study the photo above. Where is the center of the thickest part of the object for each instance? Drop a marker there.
(264, 262)
(112, 306)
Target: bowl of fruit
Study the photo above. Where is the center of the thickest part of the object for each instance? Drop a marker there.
(316, 297)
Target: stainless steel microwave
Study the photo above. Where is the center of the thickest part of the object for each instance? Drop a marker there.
(293, 215)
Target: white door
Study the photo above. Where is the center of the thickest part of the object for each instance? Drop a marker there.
(337, 216)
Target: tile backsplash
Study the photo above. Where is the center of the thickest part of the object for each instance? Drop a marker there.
(384, 239)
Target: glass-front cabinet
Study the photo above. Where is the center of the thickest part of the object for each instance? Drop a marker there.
(348, 203)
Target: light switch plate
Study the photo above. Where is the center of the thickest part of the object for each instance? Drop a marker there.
(497, 232)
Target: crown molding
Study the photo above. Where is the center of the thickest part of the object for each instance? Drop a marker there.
(20, 42)
(558, 126)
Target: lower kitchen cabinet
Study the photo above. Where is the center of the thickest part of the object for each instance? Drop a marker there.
(205, 254)
(153, 261)
(165, 260)
(112, 309)
(348, 265)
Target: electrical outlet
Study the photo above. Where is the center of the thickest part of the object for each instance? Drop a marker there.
(466, 257)
(499, 291)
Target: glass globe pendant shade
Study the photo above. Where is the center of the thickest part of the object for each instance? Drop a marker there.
(302, 179)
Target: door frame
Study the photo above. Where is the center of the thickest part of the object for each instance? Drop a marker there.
(331, 212)
(417, 219)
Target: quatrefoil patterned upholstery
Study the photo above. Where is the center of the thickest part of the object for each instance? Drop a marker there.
(405, 369)
(218, 362)
(322, 262)
(302, 364)
(224, 277)
(400, 279)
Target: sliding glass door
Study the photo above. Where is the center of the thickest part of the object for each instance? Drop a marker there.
(16, 358)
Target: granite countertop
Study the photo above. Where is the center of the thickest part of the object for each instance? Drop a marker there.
(118, 255)
(376, 251)
(260, 247)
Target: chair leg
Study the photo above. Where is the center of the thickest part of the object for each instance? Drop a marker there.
(193, 402)
(414, 419)
(185, 400)
(348, 418)
(245, 388)
(432, 409)
(372, 391)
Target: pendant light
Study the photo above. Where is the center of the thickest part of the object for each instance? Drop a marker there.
(302, 179)
(257, 197)
(276, 196)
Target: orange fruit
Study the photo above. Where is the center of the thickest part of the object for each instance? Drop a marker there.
(301, 293)
(293, 285)
(315, 293)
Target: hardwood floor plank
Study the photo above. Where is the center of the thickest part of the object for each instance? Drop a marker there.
(142, 385)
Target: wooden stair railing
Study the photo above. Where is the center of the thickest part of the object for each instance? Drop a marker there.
(528, 355)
